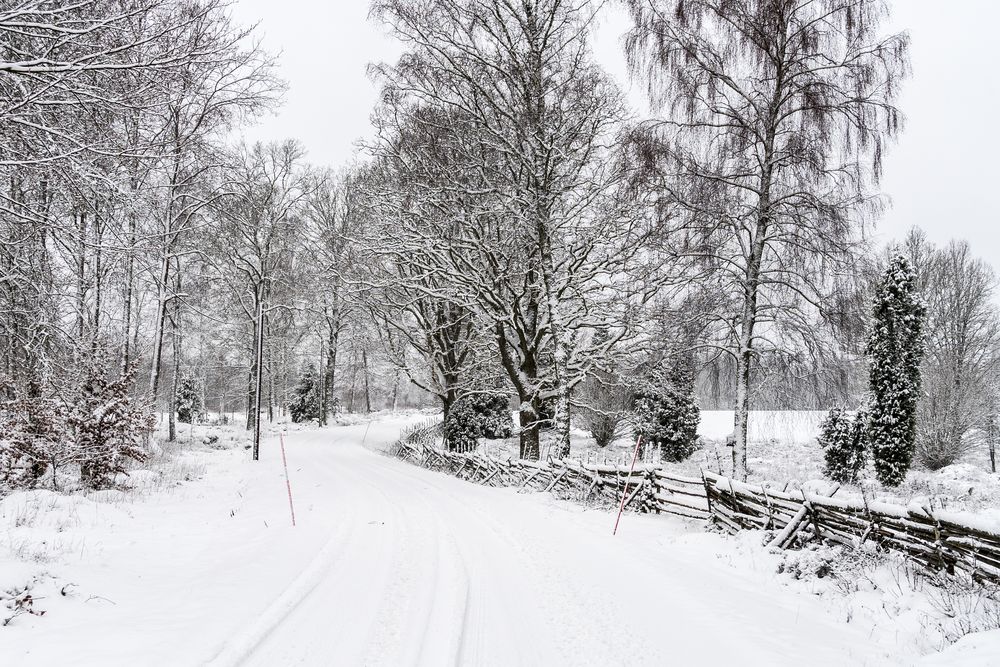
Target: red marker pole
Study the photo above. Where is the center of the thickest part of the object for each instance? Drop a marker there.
(621, 508)
(288, 483)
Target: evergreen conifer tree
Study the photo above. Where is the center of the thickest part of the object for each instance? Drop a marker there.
(474, 416)
(110, 427)
(463, 428)
(305, 400)
(189, 407)
(844, 443)
(895, 348)
(666, 414)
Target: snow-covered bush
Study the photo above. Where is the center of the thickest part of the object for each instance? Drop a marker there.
(463, 427)
(493, 409)
(666, 414)
(964, 604)
(812, 562)
(32, 434)
(474, 416)
(939, 443)
(109, 427)
(603, 426)
(189, 407)
(895, 348)
(844, 441)
(849, 569)
(305, 396)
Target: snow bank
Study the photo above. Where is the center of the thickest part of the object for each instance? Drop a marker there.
(980, 649)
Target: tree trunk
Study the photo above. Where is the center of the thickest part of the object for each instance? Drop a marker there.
(161, 319)
(529, 435)
(744, 355)
(331, 362)
(250, 385)
(395, 390)
(322, 383)
(751, 286)
(127, 297)
(992, 433)
(269, 367)
(354, 382)
(522, 370)
(368, 391)
(742, 415)
(562, 420)
(177, 345)
(258, 389)
(252, 377)
(98, 281)
(81, 268)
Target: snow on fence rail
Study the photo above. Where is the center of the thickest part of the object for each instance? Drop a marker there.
(941, 541)
(651, 489)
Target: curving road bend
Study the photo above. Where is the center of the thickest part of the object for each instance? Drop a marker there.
(423, 569)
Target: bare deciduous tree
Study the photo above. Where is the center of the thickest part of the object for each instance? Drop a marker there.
(961, 348)
(513, 158)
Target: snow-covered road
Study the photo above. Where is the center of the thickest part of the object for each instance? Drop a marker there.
(424, 569)
(391, 564)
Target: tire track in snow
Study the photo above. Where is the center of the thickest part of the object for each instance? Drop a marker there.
(459, 574)
(495, 592)
(239, 648)
(339, 618)
(431, 580)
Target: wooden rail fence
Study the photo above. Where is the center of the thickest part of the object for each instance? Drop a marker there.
(942, 541)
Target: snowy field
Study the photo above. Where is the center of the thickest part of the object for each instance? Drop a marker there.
(391, 564)
(782, 449)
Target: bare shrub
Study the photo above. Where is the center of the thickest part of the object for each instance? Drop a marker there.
(603, 404)
(966, 605)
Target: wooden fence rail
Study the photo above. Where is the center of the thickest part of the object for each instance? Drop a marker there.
(942, 541)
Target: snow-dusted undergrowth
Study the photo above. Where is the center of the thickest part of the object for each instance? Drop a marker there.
(43, 530)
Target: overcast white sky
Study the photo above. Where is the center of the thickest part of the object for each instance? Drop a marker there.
(942, 175)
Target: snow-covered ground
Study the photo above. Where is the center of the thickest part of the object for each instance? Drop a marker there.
(782, 449)
(391, 564)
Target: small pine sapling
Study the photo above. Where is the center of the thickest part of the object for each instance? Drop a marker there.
(305, 396)
(110, 427)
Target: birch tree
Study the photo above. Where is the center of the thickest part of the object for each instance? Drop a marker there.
(230, 78)
(772, 119)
